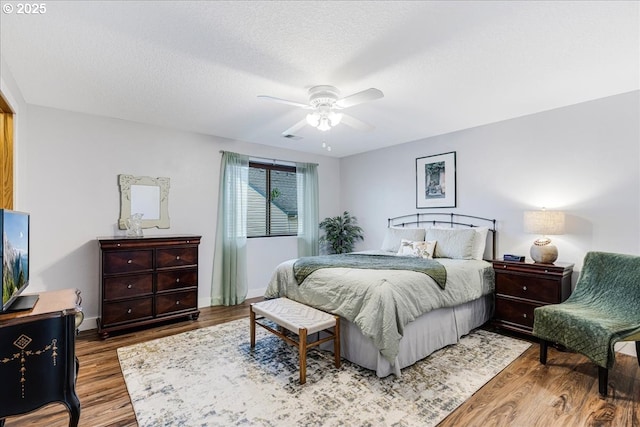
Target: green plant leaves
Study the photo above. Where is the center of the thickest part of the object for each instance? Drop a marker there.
(340, 233)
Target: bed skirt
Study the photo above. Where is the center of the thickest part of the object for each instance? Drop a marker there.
(428, 333)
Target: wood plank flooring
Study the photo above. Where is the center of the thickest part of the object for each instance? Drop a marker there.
(525, 394)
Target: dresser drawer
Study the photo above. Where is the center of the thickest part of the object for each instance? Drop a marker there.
(177, 257)
(533, 288)
(128, 286)
(126, 311)
(517, 312)
(176, 301)
(127, 261)
(176, 279)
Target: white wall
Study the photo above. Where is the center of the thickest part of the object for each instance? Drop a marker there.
(72, 194)
(582, 159)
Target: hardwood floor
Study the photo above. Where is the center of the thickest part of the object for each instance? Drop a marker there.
(562, 393)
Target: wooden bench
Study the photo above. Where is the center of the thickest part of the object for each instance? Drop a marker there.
(299, 319)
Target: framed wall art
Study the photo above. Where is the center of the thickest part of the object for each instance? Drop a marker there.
(436, 181)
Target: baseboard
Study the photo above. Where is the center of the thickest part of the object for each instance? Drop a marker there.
(256, 292)
(626, 347)
(88, 323)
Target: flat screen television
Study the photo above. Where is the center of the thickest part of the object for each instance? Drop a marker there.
(15, 260)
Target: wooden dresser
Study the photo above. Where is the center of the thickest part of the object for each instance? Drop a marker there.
(145, 280)
(523, 286)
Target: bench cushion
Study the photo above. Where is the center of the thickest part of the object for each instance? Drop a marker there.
(294, 316)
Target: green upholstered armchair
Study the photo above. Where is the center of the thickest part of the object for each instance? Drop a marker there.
(603, 309)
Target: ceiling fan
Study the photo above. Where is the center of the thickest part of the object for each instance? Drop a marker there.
(326, 104)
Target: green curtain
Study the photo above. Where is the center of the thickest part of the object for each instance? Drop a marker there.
(307, 183)
(229, 283)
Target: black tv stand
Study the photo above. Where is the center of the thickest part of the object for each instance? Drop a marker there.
(23, 303)
(38, 365)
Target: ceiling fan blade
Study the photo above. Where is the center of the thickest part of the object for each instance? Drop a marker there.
(360, 97)
(356, 123)
(295, 128)
(285, 101)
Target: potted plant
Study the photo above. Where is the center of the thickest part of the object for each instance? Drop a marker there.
(340, 233)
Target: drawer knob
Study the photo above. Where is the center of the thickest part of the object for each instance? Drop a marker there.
(178, 280)
(546, 271)
(524, 288)
(129, 311)
(178, 257)
(178, 302)
(129, 286)
(524, 315)
(129, 261)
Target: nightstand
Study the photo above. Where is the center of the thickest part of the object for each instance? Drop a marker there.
(523, 286)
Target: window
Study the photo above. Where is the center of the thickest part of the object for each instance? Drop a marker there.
(272, 200)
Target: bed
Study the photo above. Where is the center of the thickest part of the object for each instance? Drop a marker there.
(394, 304)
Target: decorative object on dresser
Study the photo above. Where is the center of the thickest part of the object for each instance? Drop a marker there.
(523, 286)
(146, 280)
(38, 364)
(544, 223)
(436, 181)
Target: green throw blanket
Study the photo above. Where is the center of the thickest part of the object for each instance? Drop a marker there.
(305, 266)
(603, 309)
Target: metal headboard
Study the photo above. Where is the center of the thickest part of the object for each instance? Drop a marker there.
(451, 219)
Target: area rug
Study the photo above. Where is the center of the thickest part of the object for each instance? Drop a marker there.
(210, 377)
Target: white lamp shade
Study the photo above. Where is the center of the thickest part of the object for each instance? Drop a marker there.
(313, 119)
(324, 124)
(335, 118)
(544, 222)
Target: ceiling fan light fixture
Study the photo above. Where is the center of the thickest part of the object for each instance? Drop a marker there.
(324, 124)
(313, 119)
(335, 118)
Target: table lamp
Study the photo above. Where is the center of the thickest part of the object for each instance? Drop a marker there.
(545, 223)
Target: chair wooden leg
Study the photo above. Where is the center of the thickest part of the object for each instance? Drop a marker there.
(603, 379)
(543, 351)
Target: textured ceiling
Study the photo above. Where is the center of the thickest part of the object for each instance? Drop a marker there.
(443, 66)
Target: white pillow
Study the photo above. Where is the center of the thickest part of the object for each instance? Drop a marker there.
(393, 236)
(417, 249)
(479, 242)
(453, 242)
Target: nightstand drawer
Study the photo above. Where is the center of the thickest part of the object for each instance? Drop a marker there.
(517, 312)
(128, 286)
(532, 288)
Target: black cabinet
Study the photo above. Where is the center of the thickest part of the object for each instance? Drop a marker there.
(38, 365)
